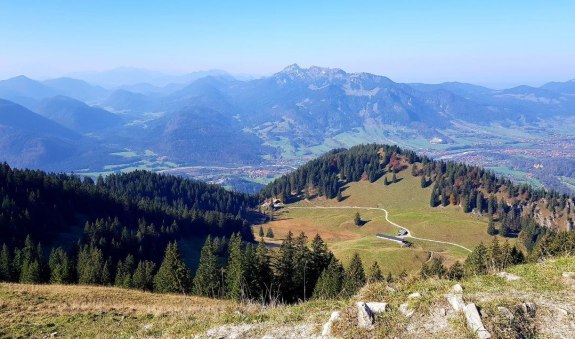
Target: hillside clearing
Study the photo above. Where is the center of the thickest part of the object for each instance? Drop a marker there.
(408, 206)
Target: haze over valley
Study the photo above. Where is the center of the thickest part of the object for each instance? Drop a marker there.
(254, 130)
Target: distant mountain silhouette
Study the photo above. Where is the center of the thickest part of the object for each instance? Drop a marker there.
(76, 115)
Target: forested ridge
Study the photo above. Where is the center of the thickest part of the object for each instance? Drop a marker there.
(514, 210)
(123, 217)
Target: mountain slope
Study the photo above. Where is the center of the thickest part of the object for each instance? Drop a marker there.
(76, 115)
(76, 89)
(24, 91)
(30, 140)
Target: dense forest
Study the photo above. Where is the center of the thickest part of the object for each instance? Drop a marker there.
(127, 218)
(513, 210)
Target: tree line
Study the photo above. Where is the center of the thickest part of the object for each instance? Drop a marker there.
(231, 269)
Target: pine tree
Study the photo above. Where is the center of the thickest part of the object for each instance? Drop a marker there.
(250, 278)
(302, 265)
(284, 267)
(60, 266)
(173, 275)
(107, 272)
(423, 182)
(495, 255)
(375, 273)
(143, 278)
(433, 200)
(5, 264)
(330, 282)
(263, 272)
(433, 267)
(235, 271)
(90, 265)
(207, 281)
(475, 264)
(270, 233)
(389, 278)
(354, 276)
(394, 178)
(385, 181)
(30, 271)
(339, 197)
(357, 219)
(261, 232)
(455, 272)
(320, 258)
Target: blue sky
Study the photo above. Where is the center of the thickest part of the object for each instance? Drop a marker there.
(484, 42)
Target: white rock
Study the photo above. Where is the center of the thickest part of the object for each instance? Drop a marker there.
(508, 276)
(405, 310)
(364, 316)
(326, 330)
(389, 289)
(456, 301)
(457, 288)
(474, 321)
(414, 295)
(569, 275)
(377, 307)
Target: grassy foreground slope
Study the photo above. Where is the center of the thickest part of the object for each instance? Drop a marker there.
(408, 206)
(85, 311)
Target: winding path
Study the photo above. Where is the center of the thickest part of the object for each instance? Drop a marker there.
(408, 235)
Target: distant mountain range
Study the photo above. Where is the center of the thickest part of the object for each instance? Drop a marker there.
(211, 118)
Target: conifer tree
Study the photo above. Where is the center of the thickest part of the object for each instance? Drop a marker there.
(270, 233)
(264, 273)
(207, 281)
(495, 255)
(302, 265)
(250, 278)
(389, 278)
(455, 272)
(5, 264)
(60, 266)
(284, 267)
(433, 267)
(423, 182)
(143, 278)
(475, 264)
(107, 272)
(394, 178)
(90, 265)
(173, 275)
(357, 219)
(375, 273)
(261, 232)
(235, 270)
(354, 276)
(30, 271)
(330, 282)
(385, 181)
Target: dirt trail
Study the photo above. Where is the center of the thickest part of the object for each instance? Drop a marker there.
(408, 235)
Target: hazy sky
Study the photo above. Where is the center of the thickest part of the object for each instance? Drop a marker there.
(485, 42)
